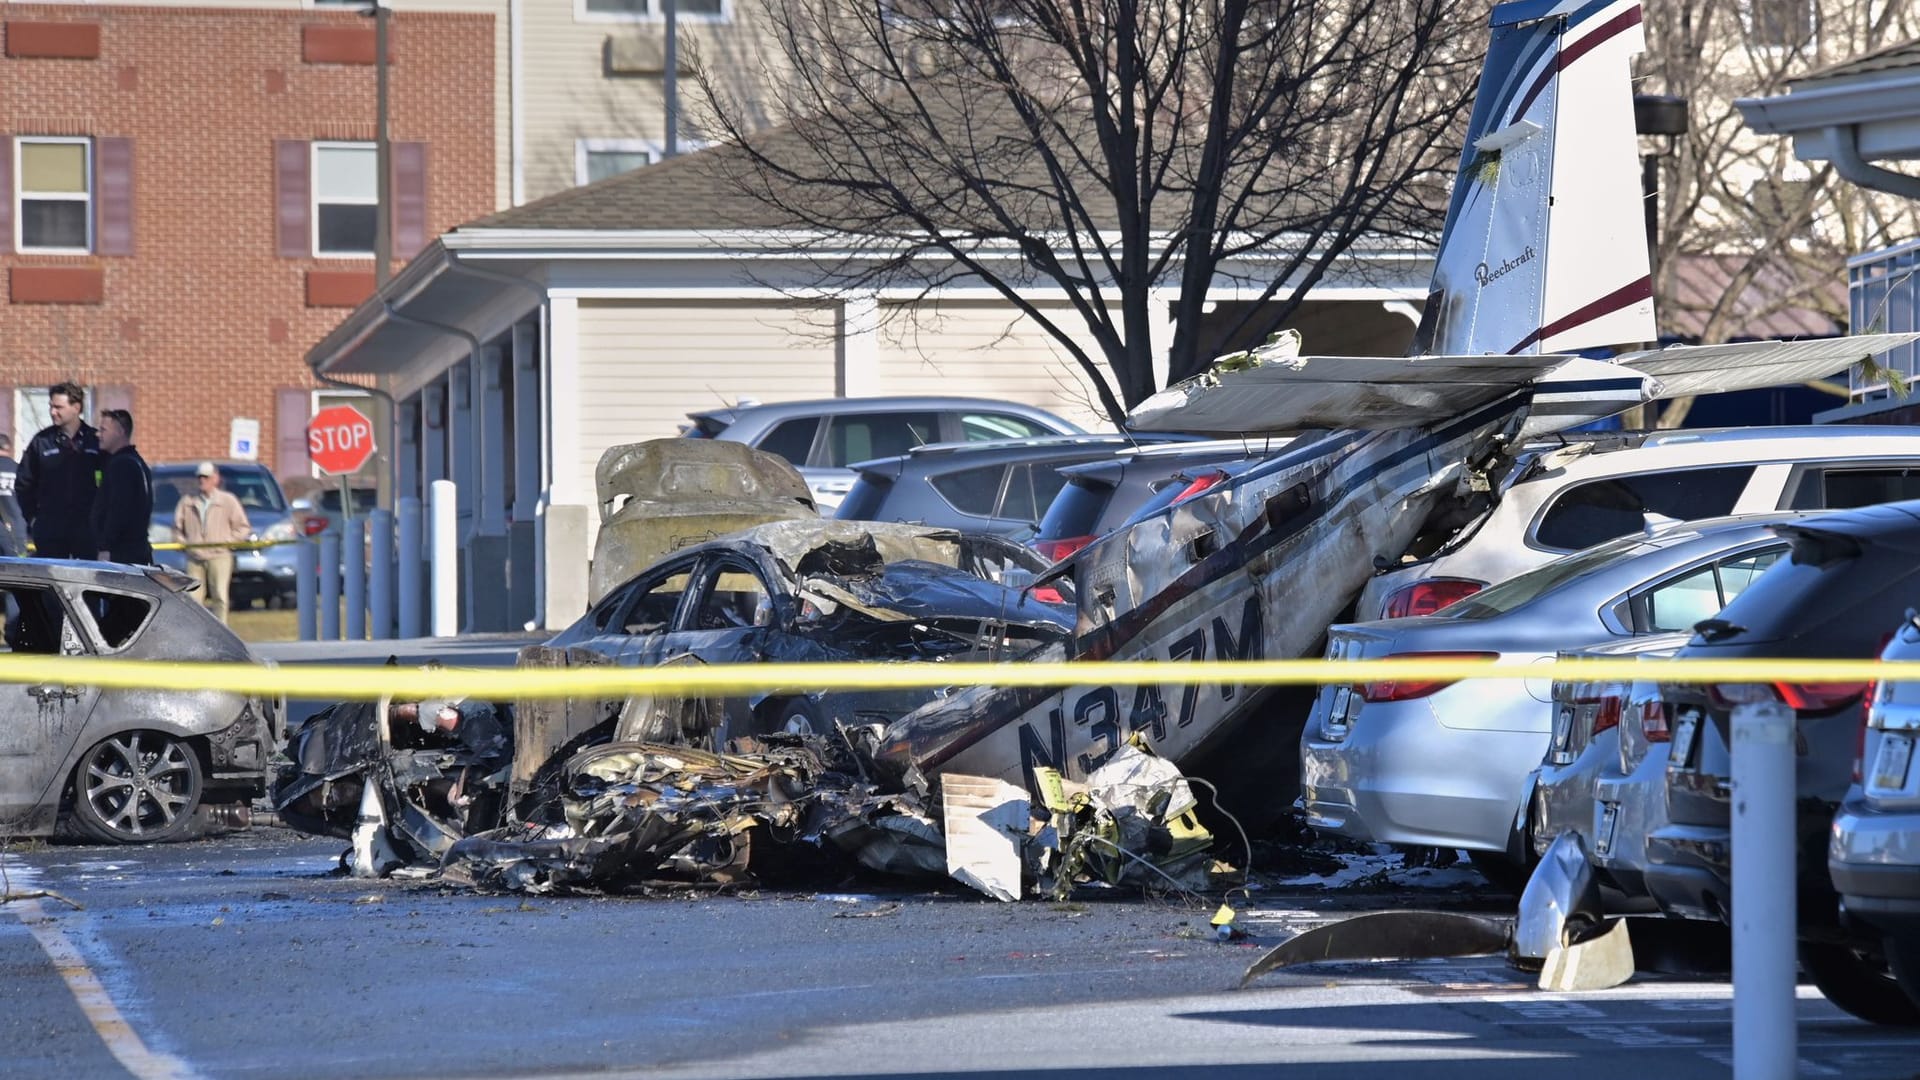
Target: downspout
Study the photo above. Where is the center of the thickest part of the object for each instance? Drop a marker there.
(1847, 159)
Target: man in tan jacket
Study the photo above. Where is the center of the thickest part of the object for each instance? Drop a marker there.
(213, 516)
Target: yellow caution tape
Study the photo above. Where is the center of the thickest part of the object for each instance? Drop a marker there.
(339, 682)
(233, 545)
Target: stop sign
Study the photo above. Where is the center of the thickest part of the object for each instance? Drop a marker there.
(340, 439)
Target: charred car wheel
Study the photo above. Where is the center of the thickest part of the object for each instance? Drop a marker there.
(1858, 985)
(136, 787)
(799, 716)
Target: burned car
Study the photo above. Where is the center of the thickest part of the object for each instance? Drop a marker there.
(794, 591)
(122, 766)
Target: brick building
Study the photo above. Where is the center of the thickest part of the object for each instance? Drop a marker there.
(188, 202)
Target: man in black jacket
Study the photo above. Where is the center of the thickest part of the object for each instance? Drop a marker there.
(13, 527)
(123, 508)
(58, 475)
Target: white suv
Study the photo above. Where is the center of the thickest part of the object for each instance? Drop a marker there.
(1563, 498)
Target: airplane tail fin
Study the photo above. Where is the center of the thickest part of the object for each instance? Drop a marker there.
(1544, 248)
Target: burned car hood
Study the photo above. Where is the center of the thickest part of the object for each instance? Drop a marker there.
(913, 589)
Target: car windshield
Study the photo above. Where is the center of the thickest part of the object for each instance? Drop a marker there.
(1525, 588)
(255, 489)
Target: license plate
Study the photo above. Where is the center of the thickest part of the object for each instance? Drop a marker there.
(1609, 817)
(1890, 765)
(1684, 727)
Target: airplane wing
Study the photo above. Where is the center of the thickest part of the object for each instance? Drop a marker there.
(1747, 365)
(1272, 389)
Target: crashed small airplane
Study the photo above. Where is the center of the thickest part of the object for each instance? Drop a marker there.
(1542, 256)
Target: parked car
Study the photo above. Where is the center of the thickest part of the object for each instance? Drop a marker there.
(1099, 495)
(1592, 784)
(269, 574)
(124, 766)
(1874, 854)
(824, 437)
(1436, 763)
(998, 487)
(1846, 580)
(1561, 498)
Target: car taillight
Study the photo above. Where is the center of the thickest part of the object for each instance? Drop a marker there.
(1200, 484)
(314, 525)
(1427, 596)
(1804, 697)
(1607, 716)
(1653, 721)
(1407, 689)
(1055, 550)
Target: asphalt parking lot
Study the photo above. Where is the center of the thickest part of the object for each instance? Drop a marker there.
(245, 955)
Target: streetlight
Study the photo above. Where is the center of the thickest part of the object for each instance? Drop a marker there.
(383, 184)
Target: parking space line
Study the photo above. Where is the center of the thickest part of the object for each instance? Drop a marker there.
(94, 1001)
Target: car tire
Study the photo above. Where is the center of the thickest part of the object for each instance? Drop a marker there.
(799, 716)
(1859, 985)
(1903, 956)
(137, 787)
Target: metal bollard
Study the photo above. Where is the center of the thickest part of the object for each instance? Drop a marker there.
(353, 565)
(330, 585)
(412, 589)
(380, 585)
(444, 559)
(307, 567)
(1765, 1043)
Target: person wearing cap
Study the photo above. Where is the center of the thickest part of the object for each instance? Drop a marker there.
(211, 517)
(58, 474)
(123, 508)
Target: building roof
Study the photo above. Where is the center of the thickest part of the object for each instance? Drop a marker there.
(1766, 309)
(1892, 58)
(691, 191)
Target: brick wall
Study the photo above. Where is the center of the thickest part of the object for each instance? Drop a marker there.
(208, 317)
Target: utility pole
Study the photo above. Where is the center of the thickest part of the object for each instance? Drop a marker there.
(382, 158)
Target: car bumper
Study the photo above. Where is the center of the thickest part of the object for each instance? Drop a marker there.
(1563, 796)
(1638, 808)
(1874, 859)
(1400, 777)
(1688, 870)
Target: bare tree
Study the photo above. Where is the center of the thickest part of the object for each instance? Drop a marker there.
(1772, 232)
(1115, 150)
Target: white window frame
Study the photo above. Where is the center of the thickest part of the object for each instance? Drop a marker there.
(651, 15)
(583, 147)
(20, 195)
(313, 198)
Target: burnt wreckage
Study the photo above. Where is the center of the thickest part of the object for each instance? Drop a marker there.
(646, 790)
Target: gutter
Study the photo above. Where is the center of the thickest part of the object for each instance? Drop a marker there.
(1847, 160)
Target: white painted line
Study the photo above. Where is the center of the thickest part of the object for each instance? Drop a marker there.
(93, 999)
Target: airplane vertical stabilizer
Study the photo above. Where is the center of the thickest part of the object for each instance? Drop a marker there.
(1544, 249)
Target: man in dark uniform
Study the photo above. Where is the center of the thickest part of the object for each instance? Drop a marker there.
(58, 475)
(13, 527)
(123, 508)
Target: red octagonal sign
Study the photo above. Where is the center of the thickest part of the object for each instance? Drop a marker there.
(340, 439)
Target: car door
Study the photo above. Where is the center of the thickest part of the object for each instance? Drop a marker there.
(644, 630)
(42, 722)
(728, 619)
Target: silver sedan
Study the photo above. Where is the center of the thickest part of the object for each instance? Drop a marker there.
(1437, 763)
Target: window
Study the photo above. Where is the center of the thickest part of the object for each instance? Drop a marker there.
(1684, 601)
(117, 615)
(55, 191)
(345, 198)
(983, 427)
(597, 159)
(1017, 492)
(37, 623)
(639, 10)
(1841, 489)
(1603, 509)
(861, 437)
(1780, 24)
(736, 600)
(652, 610)
(791, 439)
